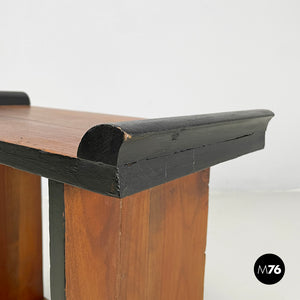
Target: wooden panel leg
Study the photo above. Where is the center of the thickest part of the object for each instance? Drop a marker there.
(150, 245)
(20, 235)
(164, 239)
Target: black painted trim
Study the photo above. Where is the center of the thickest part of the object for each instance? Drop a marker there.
(148, 173)
(57, 240)
(151, 152)
(96, 177)
(14, 98)
(127, 157)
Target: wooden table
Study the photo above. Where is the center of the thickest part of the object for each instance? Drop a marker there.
(128, 199)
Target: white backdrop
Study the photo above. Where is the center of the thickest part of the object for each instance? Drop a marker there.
(165, 58)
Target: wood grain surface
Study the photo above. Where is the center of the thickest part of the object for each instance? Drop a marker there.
(20, 235)
(92, 239)
(51, 130)
(150, 245)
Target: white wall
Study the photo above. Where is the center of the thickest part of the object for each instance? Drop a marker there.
(165, 58)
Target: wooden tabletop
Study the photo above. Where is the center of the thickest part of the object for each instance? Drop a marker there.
(50, 130)
(118, 155)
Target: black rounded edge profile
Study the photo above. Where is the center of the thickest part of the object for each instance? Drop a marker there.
(146, 153)
(14, 98)
(102, 143)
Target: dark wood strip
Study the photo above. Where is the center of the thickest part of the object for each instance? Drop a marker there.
(57, 240)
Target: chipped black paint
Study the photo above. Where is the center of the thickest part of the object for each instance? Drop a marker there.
(150, 152)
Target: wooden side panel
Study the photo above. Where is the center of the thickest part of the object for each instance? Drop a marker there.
(150, 245)
(163, 240)
(92, 239)
(177, 239)
(20, 235)
(134, 246)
